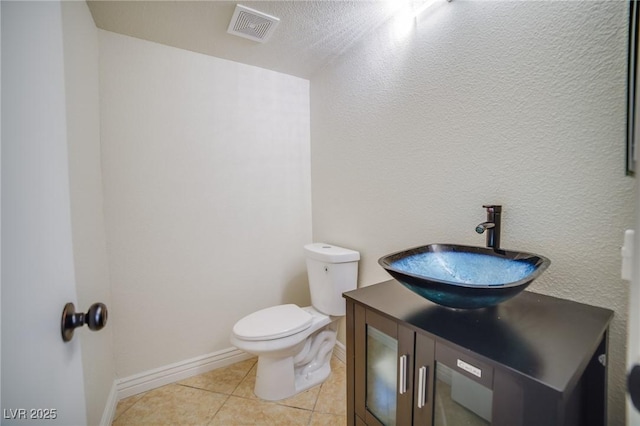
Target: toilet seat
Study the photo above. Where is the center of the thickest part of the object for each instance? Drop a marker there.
(273, 323)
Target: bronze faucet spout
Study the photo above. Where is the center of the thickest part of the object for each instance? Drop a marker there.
(492, 226)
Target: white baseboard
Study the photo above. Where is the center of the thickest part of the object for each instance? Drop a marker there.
(340, 351)
(152, 379)
(157, 377)
(110, 406)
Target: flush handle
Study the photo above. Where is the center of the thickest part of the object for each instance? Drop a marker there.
(95, 318)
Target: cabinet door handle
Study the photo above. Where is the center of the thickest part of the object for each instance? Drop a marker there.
(423, 374)
(402, 386)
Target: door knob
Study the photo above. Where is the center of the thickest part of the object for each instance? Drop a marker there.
(95, 318)
(633, 385)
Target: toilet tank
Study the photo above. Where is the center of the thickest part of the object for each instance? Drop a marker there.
(332, 270)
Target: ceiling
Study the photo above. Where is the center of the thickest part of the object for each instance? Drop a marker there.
(311, 33)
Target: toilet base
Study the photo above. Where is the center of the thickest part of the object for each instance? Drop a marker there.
(280, 378)
(274, 379)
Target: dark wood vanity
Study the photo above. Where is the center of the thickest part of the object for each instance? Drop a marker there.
(533, 360)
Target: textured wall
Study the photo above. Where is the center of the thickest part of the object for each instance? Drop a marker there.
(207, 196)
(514, 103)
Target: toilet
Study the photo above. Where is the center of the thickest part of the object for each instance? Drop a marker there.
(294, 344)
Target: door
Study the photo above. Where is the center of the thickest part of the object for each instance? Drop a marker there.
(425, 372)
(41, 377)
(633, 326)
(463, 389)
(393, 374)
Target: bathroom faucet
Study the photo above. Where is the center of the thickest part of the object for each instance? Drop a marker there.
(492, 226)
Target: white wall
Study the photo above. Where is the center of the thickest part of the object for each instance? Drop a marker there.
(207, 196)
(80, 39)
(516, 103)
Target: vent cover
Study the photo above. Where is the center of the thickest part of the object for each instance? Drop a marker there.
(251, 24)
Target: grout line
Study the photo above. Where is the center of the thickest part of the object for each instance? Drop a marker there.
(202, 389)
(219, 392)
(218, 410)
(143, 396)
(315, 403)
(244, 377)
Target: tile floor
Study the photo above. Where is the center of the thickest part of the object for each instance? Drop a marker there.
(225, 397)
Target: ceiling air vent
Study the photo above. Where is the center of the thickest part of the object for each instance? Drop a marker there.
(251, 24)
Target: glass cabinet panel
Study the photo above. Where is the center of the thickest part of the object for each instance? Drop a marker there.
(459, 400)
(381, 377)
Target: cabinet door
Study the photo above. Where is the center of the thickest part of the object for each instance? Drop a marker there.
(463, 389)
(423, 393)
(384, 353)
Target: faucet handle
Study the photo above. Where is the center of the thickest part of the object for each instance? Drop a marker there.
(494, 208)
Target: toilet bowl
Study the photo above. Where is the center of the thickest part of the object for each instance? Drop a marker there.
(284, 363)
(293, 344)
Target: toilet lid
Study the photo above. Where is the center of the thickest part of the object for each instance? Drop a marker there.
(273, 323)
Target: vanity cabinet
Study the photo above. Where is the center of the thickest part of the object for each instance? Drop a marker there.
(533, 360)
(394, 372)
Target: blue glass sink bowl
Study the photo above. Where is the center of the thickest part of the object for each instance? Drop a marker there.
(464, 277)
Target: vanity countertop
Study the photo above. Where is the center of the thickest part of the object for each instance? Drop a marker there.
(545, 338)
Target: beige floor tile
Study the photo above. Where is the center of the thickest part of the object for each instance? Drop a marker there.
(332, 398)
(126, 403)
(199, 399)
(245, 388)
(306, 400)
(223, 380)
(326, 419)
(171, 405)
(242, 411)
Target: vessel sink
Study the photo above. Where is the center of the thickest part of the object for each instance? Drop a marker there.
(464, 277)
